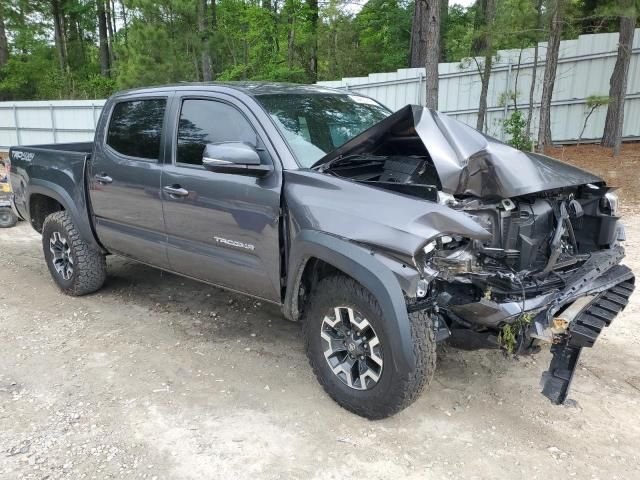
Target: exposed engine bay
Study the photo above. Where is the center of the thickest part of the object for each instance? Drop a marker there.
(537, 240)
(517, 290)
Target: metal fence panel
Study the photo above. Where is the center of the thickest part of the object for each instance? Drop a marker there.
(42, 122)
(584, 68)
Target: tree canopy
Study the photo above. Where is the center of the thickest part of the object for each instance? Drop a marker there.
(89, 48)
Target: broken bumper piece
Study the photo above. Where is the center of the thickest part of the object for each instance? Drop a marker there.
(583, 331)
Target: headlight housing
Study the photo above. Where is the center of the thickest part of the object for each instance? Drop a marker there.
(449, 255)
(437, 243)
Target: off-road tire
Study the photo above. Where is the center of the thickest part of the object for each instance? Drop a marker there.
(394, 391)
(7, 218)
(89, 265)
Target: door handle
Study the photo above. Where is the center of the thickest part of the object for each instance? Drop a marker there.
(103, 178)
(176, 191)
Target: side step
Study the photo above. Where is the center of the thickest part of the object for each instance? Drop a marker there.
(583, 332)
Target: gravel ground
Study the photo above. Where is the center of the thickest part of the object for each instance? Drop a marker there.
(160, 377)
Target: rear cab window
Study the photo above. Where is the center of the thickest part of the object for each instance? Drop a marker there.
(135, 127)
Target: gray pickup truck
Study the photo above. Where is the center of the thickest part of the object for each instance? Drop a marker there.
(384, 233)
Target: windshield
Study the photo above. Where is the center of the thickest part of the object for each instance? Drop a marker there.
(315, 124)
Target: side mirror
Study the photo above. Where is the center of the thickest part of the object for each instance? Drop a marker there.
(234, 157)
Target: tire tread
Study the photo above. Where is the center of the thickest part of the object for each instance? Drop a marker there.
(90, 267)
(407, 388)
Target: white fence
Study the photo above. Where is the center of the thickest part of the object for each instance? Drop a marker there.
(42, 122)
(585, 66)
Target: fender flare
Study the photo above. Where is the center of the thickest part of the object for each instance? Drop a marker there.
(361, 265)
(59, 194)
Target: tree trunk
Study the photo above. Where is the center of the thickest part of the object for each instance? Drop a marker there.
(75, 41)
(431, 44)
(419, 27)
(245, 51)
(58, 31)
(213, 22)
(291, 32)
(4, 45)
(125, 23)
(444, 16)
(425, 44)
(515, 83)
(481, 45)
(114, 27)
(272, 34)
(291, 41)
(612, 136)
(551, 66)
(483, 21)
(484, 91)
(314, 17)
(203, 30)
(105, 65)
(110, 30)
(534, 70)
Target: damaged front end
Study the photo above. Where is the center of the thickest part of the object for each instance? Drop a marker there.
(551, 274)
(549, 271)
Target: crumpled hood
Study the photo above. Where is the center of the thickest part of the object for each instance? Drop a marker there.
(369, 215)
(468, 162)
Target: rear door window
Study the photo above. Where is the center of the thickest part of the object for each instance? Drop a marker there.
(135, 128)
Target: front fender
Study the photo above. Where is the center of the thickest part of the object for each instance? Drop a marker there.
(363, 266)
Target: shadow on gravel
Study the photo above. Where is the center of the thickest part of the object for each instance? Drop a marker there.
(215, 315)
(197, 308)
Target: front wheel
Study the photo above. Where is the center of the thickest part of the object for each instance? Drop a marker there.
(349, 349)
(76, 267)
(7, 217)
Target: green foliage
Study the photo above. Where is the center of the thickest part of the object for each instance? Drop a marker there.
(459, 33)
(595, 101)
(507, 98)
(507, 338)
(383, 28)
(515, 126)
(510, 333)
(158, 41)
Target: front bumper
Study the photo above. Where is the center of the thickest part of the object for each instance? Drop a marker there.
(601, 278)
(600, 272)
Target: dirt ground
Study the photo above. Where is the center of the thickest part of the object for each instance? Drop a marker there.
(621, 171)
(160, 377)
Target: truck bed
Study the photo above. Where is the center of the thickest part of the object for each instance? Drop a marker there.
(55, 171)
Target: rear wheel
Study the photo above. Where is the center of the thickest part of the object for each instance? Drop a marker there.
(349, 348)
(7, 217)
(76, 267)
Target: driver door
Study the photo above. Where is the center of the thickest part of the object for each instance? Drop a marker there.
(221, 227)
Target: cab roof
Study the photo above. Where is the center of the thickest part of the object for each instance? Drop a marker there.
(249, 88)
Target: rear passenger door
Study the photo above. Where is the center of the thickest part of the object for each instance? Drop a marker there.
(222, 228)
(124, 179)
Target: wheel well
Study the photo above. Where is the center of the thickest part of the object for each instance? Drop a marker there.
(314, 271)
(40, 207)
